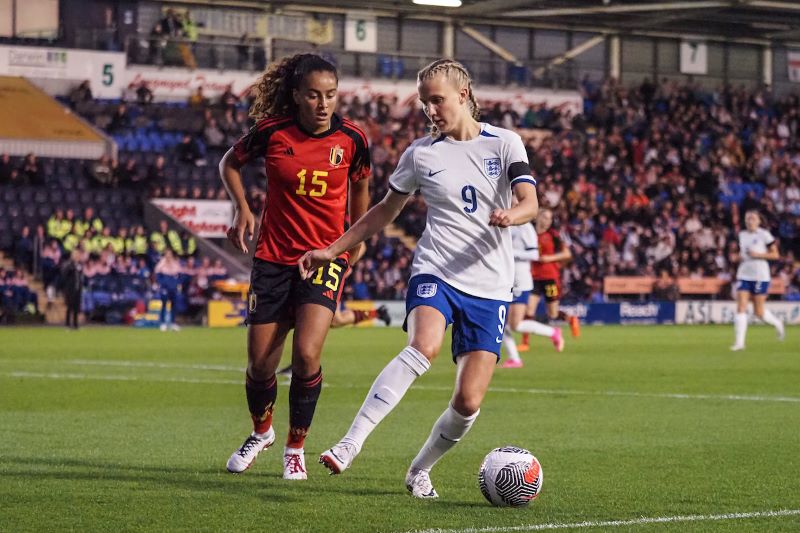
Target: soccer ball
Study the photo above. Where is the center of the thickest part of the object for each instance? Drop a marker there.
(510, 476)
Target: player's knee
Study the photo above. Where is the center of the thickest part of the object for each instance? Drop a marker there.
(428, 349)
(305, 359)
(466, 405)
(305, 368)
(259, 370)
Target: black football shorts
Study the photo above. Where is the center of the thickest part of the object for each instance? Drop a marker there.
(276, 291)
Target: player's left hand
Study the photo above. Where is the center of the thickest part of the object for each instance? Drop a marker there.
(313, 260)
(500, 218)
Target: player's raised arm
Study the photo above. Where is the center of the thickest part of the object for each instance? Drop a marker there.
(376, 219)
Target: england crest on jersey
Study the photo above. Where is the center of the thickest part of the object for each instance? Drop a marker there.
(426, 290)
(492, 167)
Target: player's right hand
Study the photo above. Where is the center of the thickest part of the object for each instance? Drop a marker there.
(312, 261)
(243, 221)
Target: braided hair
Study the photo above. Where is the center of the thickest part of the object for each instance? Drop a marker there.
(458, 75)
(273, 90)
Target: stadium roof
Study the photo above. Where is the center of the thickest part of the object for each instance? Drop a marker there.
(738, 20)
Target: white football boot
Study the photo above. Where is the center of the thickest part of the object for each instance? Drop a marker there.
(737, 347)
(339, 458)
(294, 463)
(243, 458)
(418, 483)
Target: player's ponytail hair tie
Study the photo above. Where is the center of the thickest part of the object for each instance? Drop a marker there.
(273, 90)
(456, 73)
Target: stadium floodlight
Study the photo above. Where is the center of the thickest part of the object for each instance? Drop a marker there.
(438, 3)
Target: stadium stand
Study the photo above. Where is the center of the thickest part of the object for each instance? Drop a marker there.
(651, 181)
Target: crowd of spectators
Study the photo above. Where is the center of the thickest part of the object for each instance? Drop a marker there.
(649, 180)
(117, 264)
(16, 296)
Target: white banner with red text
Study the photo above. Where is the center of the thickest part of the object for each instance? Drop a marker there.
(204, 218)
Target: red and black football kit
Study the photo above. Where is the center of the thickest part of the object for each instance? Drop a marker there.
(308, 178)
(547, 276)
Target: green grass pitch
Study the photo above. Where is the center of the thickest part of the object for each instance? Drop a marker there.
(123, 429)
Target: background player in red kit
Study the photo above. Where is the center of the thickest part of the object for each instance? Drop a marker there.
(316, 165)
(547, 275)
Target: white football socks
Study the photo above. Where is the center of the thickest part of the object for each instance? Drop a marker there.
(447, 431)
(537, 328)
(771, 319)
(387, 390)
(740, 328)
(510, 345)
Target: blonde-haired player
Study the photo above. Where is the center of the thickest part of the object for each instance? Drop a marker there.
(463, 265)
(756, 247)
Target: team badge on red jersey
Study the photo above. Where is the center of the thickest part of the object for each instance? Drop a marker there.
(337, 155)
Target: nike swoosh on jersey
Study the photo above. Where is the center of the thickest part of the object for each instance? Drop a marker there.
(432, 173)
(498, 339)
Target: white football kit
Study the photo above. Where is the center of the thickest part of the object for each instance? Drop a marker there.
(754, 241)
(462, 182)
(526, 249)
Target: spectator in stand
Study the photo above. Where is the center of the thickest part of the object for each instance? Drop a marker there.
(30, 171)
(171, 25)
(156, 173)
(664, 287)
(56, 228)
(198, 99)
(128, 174)
(230, 127)
(7, 171)
(217, 271)
(120, 120)
(157, 44)
(103, 172)
(89, 221)
(81, 94)
(188, 151)
(213, 135)
(72, 281)
(144, 96)
(23, 249)
(228, 101)
(51, 258)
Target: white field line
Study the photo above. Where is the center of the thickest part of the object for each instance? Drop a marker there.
(154, 364)
(621, 523)
(667, 395)
(92, 377)
(509, 390)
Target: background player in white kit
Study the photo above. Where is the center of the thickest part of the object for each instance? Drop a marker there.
(526, 249)
(756, 247)
(463, 266)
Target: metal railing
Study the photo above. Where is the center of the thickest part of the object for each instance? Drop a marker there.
(224, 53)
